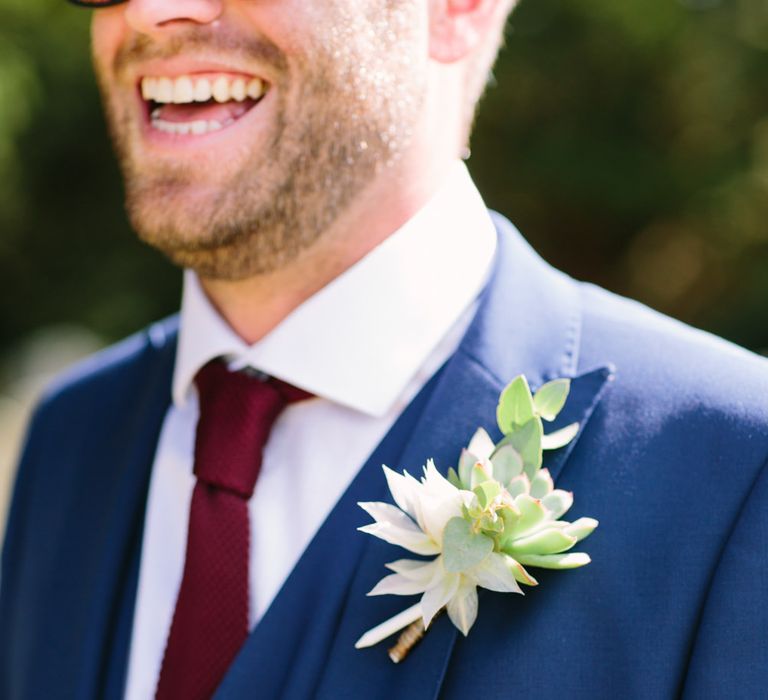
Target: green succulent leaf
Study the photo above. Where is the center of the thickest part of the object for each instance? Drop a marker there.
(507, 464)
(515, 405)
(509, 517)
(491, 524)
(477, 476)
(519, 485)
(550, 398)
(520, 574)
(532, 514)
(546, 541)
(569, 560)
(453, 478)
(486, 492)
(557, 503)
(527, 441)
(462, 547)
(542, 484)
(466, 462)
(581, 528)
(474, 511)
(559, 438)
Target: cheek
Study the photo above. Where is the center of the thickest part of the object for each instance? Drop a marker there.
(301, 28)
(107, 33)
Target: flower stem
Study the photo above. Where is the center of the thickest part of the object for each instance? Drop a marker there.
(408, 639)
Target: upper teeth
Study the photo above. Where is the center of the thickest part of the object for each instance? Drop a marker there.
(185, 89)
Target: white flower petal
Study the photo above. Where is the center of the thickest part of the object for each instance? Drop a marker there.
(495, 574)
(407, 566)
(416, 570)
(395, 527)
(387, 513)
(403, 490)
(413, 540)
(436, 484)
(395, 584)
(462, 607)
(481, 445)
(439, 501)
(436, 597)
(438, 510)
(389, 627)
(417, 490)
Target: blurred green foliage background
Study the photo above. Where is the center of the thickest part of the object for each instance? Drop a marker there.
(628, 140)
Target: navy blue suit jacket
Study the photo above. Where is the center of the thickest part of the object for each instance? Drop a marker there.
(670, 458)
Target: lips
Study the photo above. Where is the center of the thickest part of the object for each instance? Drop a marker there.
(199, 104)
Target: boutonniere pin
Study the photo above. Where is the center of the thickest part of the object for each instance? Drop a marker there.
(495, 515)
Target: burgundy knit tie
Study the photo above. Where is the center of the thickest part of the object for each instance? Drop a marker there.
(210, 622)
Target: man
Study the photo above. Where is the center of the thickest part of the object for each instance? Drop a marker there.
(299, 158)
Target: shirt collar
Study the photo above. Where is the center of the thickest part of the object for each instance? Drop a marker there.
(360, 339)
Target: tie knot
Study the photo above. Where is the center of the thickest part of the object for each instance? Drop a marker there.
(237, 411)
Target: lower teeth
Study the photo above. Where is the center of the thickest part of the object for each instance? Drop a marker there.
(197, 128)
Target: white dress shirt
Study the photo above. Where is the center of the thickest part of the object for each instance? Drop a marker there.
(364, 346)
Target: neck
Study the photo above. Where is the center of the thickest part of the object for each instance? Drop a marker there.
(254, 306)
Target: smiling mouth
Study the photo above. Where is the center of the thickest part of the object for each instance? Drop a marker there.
(197, 105)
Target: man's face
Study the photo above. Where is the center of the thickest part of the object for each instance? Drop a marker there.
(311, 100)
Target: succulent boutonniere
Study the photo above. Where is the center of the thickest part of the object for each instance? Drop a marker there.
(494, 515)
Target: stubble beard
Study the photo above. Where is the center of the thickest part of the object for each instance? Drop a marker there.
(351, 118)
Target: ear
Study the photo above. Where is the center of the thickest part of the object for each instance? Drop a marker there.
(458, 26)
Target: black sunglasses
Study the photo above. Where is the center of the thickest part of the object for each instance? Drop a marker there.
(96, 3)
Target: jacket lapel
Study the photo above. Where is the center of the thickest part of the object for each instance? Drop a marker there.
(443, 428)
(286, 654)
(528, 322)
